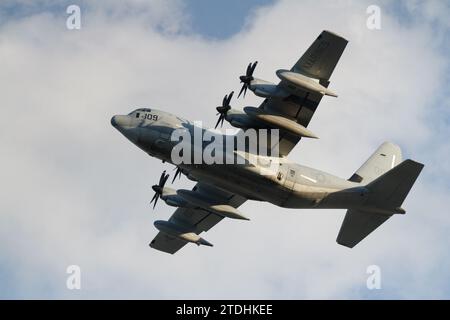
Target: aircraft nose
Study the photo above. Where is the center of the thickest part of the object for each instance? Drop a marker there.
(120, 121)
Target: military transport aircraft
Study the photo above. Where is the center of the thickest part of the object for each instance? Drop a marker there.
(373, 194)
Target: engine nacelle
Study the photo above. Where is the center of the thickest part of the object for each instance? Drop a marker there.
(239, 119)
(175, 200)
(223, 210)
(257, 118)
(266, 89)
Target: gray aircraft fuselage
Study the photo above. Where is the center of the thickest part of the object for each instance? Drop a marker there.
(291, 185)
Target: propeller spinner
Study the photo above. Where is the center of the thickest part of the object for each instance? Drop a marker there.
(158, 188)
(247, 78)
(223, 109)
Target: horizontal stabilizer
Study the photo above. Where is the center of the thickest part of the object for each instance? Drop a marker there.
(386, 195)
(357, 225)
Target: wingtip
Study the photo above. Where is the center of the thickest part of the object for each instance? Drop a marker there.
(334, 34)
(347, 245)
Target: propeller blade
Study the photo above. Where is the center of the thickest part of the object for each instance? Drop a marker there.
(154, 197)
(164, 180)
(218, 121)
(253, 68)
(248, 78)
(224, 101)
(242, 89)
(229, 98)
(249, 68)
(223, 109)
(158, 188)
(156, 200)
(162, 177)
(177, 173)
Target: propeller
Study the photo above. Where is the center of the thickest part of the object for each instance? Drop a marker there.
(177, 173)
(247, 78)
(158, 188)
(223, 109)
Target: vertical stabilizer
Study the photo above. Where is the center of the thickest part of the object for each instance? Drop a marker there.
(386, 157)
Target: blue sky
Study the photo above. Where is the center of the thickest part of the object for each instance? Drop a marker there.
(213, 19)
(87, 189)
(220, 19)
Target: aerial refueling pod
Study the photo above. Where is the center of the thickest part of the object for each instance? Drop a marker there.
(304, 82)
(223, 210)
(278, 121)
(176, 231)
(266, 89)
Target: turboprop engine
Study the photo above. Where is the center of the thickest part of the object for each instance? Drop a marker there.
(223, 210)
(257, 118)
(294, 80)
(266, 89)
(261, 88)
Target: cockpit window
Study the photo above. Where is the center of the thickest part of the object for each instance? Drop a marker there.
(139, 111)
(144, 114)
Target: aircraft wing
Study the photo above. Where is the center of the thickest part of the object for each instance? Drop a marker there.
(317, 62)
(196, 219)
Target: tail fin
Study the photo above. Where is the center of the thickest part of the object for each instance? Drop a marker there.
(386, 195)
(390, 189)
(387, 156)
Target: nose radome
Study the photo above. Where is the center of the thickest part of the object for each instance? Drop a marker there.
(120, 121)
(113, 121)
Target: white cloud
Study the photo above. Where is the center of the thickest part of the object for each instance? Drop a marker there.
(76, 192)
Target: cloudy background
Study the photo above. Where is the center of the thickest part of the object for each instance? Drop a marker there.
(74, 191)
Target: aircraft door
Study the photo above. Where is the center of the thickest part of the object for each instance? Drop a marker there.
(286, 176)
(290, 178)
(281, 174)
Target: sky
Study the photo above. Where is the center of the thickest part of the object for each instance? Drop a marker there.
(76, 192)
